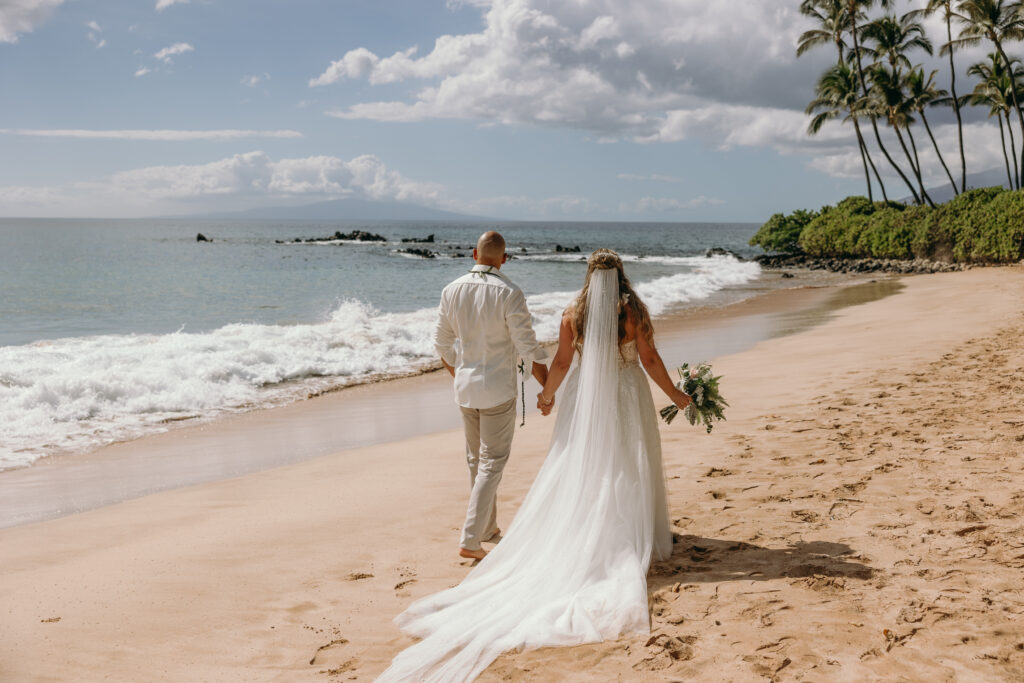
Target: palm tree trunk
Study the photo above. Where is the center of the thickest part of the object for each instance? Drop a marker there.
(1016, 104)
(867, 174)
(867, 155)
(956, 105)
(942, 161)
(1013, 151)
(916, 166)
(864, 88)
(1006, 158)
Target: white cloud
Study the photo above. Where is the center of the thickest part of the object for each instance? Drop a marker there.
(250, 177)
(253, 81)
(355, 64)
(611, 66)
(161, 5)
(153, 134)
(178, 48)
(93, 34)
(142, 71)
(658, 71)
(23, 16)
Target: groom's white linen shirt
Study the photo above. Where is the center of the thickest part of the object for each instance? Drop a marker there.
(483, 325)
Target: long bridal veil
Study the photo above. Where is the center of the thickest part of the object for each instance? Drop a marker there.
(572, 566)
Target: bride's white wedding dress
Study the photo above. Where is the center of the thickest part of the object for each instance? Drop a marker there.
(572, 566)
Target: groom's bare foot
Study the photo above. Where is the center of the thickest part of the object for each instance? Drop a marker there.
(494, 536)
(473, 554)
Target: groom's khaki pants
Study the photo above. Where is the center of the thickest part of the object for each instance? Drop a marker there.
(488, 443)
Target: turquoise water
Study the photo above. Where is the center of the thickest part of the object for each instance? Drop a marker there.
(110, 330)
(64, 278)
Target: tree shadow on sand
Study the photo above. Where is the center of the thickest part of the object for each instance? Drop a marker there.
(709, 560)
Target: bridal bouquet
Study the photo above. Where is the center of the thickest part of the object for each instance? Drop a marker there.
(700, 385)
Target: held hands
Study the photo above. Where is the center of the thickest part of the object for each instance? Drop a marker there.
(545, 405)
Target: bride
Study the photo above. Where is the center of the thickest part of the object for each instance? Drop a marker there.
(572, 567)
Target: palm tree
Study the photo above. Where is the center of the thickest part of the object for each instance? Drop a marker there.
(922, 93)
(832, 26)
(993, 90)
(946, 6)
(832, 23)
(996, 21)
(855, 10)
(838, 93)
(888, 100)
(892, 40)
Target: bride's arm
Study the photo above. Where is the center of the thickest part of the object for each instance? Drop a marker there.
(559, 366)
(655, 367)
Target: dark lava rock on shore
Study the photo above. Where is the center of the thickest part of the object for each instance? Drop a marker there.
(719, 251)
(864, 265)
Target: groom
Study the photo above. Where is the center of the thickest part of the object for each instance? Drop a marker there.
(482, 326)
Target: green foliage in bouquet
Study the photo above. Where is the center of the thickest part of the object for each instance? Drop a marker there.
(702, 386)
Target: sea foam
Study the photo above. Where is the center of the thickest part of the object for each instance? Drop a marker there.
(75, 394)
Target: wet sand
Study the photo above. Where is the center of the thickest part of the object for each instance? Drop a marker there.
(859, 517)
(367, 414)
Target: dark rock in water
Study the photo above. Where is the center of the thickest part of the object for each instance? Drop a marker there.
(786, 276)
(358, 236)
(354, 236)
(567, 250)
(459, 254)
(719, 251)
(429, 239)
(422, 253)
(200, 237)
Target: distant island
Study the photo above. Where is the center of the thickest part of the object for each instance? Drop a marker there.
(342, 209)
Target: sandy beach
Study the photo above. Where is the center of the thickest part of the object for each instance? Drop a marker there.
(859, 517)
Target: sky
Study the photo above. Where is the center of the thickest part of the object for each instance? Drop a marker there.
(596, 110)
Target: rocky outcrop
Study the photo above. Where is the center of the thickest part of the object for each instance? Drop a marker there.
(865, 265)
(719, 251)
(429, 239)
(567, 250)
(338, 236)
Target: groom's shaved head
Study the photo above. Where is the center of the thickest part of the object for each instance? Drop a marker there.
(490, 248)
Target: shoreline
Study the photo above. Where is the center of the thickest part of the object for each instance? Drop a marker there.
(236, 444)
(848, 522)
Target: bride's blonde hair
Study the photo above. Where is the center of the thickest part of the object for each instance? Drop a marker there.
(629, 302)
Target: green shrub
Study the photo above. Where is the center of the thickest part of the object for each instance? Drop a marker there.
(781, 232)
(984, 225)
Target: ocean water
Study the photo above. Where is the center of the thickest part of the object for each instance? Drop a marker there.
(110, 330)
